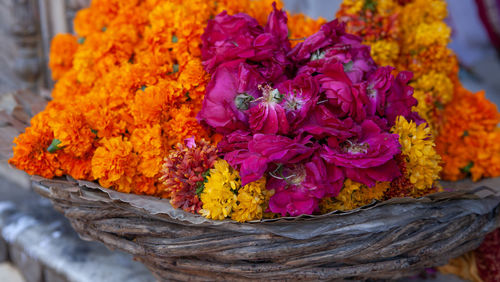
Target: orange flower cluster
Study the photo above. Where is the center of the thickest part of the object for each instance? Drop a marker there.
(412, 35)
(470, 139)
(63, 49)
(129, 86)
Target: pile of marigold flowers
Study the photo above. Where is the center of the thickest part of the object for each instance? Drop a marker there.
(228, 114)
(412, 35)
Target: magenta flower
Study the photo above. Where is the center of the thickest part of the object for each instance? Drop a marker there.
(400, 99)
(228, 38)
(300, 96)
(251, 155)
(239, 36)
(311, 48)
(348, 99)
(305, 118)
(281, 149)
(323, 179)
(379, 84)
(268, 116)
(190, 142)
(356, 61)
(298, 188)
(322, 123)
(292, 200)
(229, 95)
(274, 149)
(368, 157)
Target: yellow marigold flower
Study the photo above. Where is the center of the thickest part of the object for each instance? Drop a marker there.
(419, 11)
(438, 83)
(433, 33)
(417, 145)
(219, 194)
(353, 6)
(386, 7)
(354, 195)
(251, 201)
(433, 91)
(384, 52)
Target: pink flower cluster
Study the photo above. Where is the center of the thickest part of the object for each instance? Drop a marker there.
(307, 118)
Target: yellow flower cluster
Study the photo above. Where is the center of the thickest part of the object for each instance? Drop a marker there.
(354, 195)
(464, 123)
(386, 51)
(428, 34)
(224, 197)
(410, 35)
(219, 193)
(432, 86)
(417, 146)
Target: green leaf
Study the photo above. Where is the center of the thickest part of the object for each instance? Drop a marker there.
(103, 29)
(54, 146)
(175, 39)
(199, 188)
(466, 169)
(175, 68)
(94, 131)
(348, 66)
(242, 101)
(370, 5)
(466, 133)
(200, 185)
(81, 40)
(143, 87)
(439, 105)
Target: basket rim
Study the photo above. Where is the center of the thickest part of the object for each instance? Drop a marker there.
(464, 189)
(372, 218)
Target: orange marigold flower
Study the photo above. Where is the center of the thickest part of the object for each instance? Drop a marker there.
(468, 135)
(183, 125)
(72, 130)
(143, 185)
(30, 152)
(77, 167)
(114, 163)
(62, 51)
(130, 84)
(148, 145)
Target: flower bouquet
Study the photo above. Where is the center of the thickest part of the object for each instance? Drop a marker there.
(178, 122)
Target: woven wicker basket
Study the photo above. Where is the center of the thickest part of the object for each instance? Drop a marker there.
(396, 238)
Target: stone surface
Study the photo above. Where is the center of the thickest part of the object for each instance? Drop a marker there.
(38, 235)
(10, 273)
(50, 275)
(28, 266)
(4, 251)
